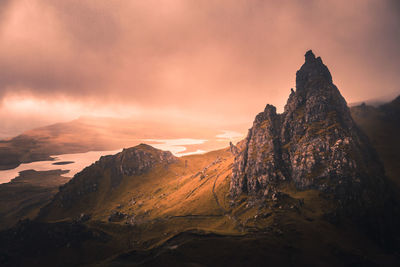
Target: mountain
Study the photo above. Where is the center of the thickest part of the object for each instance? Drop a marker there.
(314, 144)
(96, 183)
(376, 102)
(304, 188)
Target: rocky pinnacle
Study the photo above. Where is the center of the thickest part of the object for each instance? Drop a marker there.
(313, 144)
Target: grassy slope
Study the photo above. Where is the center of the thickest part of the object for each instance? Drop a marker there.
(179, 193)
(178, 217)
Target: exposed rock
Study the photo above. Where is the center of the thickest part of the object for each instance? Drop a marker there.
(314, 144)
(131, 219)
(234, 150)
(117, 216)
(110, 170)
(135, 161)
(139, 159)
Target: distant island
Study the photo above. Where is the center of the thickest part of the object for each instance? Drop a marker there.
(63, 162)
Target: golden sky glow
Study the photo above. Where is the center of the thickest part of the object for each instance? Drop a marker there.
(187, 59)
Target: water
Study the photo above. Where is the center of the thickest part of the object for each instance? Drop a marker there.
(176, 146)
(82, 160)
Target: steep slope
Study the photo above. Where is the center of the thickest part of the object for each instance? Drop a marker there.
(314, 144)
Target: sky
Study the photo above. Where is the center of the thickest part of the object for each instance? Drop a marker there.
(216, 62)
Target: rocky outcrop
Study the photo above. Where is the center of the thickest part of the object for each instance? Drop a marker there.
(313, 144)
(135, 161)
(260, 164)
(107, 173)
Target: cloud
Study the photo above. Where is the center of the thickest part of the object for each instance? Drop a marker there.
(212, 57)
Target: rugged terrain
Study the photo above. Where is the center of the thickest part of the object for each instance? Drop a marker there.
(305, 188)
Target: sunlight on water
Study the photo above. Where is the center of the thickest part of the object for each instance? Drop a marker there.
(80, 161)
(176, 146)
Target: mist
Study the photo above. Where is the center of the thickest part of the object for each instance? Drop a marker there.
(206, 61)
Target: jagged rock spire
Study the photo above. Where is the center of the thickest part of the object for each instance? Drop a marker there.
(309, 56)
(313, 144)
(312, 71)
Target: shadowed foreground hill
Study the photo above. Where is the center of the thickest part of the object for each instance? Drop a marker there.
(24, 196)
(305, 188)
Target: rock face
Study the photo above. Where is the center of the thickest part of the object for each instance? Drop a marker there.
(136, 161)
(313, 144)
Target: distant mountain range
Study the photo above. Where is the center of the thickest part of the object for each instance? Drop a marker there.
(382, 125)
(317, 185)
(102, 134)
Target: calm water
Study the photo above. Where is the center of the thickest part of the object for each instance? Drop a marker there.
(81, 160)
